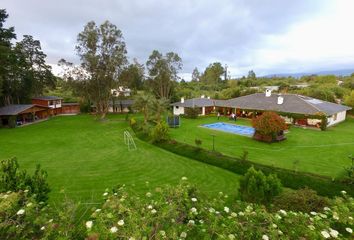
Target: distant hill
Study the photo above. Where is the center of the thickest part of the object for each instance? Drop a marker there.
(342, 72)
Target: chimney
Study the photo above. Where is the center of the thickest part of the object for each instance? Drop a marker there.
(268, 93)
(202, 96)
(280, 100)
(182, 99)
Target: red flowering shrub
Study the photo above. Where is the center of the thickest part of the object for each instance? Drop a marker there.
(269, 127)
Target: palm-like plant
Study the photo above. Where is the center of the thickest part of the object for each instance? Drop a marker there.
(159, 107)
(143, 103)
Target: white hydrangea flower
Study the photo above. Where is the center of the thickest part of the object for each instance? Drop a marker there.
(184, 178)
(26, 191)
(226, 209)
(120, 222)
(274, 225)
(201, 221)
(153, 211)
(212, 210)
(325, 234)
(283, 212)
(20, 212)
(241, 214)
(149, 207)
(333, 233)
(265, 237)
(105, 194)
(313, 213)
(233, 214)
(183, 235)
(312, 227)
(194, 199)
(162, 233)
(193, 210)
(98, 210)
(113, 229)
(349, 230)
(89, 224)
(42, 228)
(148, 194)
(326, 209)
(191, 222)
(343, 192)
(350, 218)
(50, 220)
(231, 236)
(29, 204)
(280, 232)
(335, 216)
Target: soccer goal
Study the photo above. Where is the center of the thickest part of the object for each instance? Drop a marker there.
(129, 141)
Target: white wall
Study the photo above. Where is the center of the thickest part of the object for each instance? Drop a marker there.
(340, 118)
(178, 110)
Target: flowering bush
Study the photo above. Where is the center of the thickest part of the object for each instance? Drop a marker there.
(13, 179)
(179, 212)
(269, 126)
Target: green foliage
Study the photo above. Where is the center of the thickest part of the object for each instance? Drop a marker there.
(349, 101)
(304, 200)
(132, 76)
(85, 107)
(178, 212)
(198, 142)
(212, 74)
(195, 75)
(163, 72)
(102, 51)
(268, 125)
(12, 179)
(257, 188)
(158, 108)
(191, 112)
(244, 156)
(325, 186)
(142, 103)
(159, 132)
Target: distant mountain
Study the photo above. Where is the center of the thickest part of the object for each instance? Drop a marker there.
(342, 72)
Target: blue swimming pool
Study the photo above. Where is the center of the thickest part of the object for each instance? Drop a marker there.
(231, 128)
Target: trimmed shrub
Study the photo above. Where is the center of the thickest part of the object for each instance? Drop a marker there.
(258, 188)
(324, 186)
(269, 127)
(304, 200)
(159, 132)
(198, 142)
(191, 112)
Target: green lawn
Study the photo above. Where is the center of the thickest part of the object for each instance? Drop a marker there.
(84, 157)
(321, 152)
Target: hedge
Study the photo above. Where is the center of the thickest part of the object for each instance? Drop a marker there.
(324, 186)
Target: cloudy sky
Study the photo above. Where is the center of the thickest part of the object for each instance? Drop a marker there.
(268, 36)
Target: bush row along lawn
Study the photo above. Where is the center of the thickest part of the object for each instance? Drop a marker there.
(83, 157)
(321, 152)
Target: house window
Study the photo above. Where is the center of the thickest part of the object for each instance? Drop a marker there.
(335, 117)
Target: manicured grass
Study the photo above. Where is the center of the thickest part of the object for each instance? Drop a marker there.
(84, 157)
(321, 152)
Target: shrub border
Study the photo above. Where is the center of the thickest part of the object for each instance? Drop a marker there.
(323, 185)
